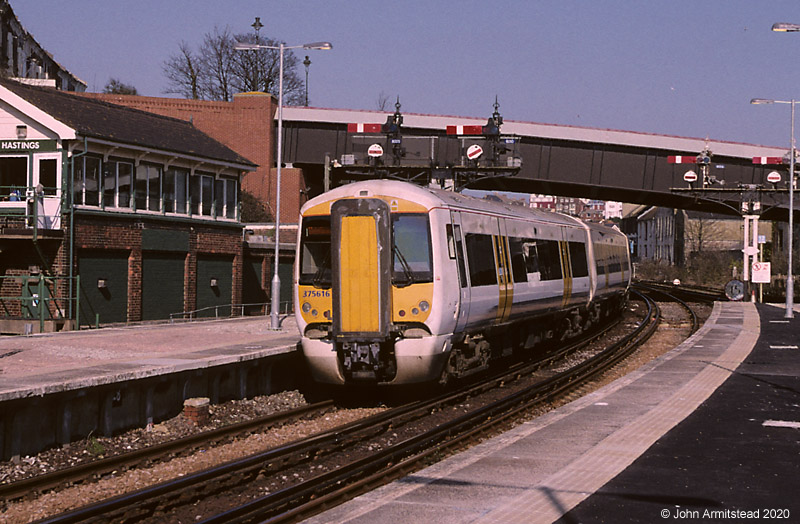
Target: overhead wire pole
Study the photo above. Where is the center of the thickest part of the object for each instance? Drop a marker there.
(275, 298)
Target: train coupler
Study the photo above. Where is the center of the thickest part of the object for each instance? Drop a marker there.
(367, 362)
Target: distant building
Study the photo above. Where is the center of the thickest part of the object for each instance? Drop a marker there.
(23, 59)
(675, 236)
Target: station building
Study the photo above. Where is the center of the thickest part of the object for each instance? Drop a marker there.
(111, 214)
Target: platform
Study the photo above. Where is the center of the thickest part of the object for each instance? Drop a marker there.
(710, 425)
(55, 388)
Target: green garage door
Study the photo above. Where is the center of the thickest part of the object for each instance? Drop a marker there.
(104, 286)
(252, 288)
(162, 284)
(214, 285)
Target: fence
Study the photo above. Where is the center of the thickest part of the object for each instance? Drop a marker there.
(285, 308)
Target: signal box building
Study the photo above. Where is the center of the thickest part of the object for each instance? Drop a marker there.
(111, 214)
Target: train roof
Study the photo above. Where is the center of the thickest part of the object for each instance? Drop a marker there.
(434, 197)
(430, 198)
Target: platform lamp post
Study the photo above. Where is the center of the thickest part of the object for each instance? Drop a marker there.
(276, 280)
(789, 278)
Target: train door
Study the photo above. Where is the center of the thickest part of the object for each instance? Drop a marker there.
(456, 245)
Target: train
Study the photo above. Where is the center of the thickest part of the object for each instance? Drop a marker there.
(397, 283)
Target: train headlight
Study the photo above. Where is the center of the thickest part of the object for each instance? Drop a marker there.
(306, 307)
(424, 306)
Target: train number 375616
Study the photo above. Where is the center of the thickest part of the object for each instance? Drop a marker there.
(316, 293)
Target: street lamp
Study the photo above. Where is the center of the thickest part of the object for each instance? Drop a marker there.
(789, 279)
(307, 63)
(276, 281)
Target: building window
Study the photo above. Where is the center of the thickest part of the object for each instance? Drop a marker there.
(86, 181)
(117, 184)
(175, 190)
(148, 187)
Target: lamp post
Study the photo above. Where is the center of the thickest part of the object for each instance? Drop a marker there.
(789, 278)
(276, 281)
(307, 63)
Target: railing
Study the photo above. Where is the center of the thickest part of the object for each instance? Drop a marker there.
(30, 207)
(36, 298)
(285, 308)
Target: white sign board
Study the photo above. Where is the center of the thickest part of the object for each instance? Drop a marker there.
(761, 273)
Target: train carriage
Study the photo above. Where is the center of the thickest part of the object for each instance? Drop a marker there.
(399, 284)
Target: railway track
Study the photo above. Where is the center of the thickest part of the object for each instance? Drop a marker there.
(367, 453)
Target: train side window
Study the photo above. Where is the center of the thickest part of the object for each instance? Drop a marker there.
(455, 249)
(451, 242)
(518, 264)
(480, 253)
(531, 257)
(577, 255)
(600, 260)
(549, 259)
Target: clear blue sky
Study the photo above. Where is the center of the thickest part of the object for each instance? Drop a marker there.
(675, 67)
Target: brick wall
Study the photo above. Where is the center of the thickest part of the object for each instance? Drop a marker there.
(107, 232)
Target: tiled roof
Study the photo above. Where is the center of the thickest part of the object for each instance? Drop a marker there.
(97, 119)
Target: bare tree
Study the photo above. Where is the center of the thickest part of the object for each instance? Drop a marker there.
(382, 102)
(116, 87)
(259, 70)
(184, 71)
(218, 59)
(217, 71)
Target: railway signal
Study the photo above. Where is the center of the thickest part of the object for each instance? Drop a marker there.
(702, 161)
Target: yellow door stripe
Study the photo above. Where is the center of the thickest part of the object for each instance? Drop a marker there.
(360, 295)
(504, 280)
(566, 271)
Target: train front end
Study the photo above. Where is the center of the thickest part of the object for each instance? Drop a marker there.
(365, 290)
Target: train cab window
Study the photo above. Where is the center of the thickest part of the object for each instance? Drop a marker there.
(480, 254)
(412, 261)
(315, 252)
(577, 256)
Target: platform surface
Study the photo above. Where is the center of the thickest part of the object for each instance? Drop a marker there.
(46, 363)
(708, 426)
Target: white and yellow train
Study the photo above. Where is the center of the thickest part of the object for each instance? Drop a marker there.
(399, 284)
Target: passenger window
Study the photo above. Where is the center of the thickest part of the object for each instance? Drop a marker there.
(577, 256)
(518, 263)
(480, 253)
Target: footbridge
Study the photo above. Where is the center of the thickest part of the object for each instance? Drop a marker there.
(334, 146)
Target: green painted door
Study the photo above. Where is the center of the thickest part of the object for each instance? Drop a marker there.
(104, 286)
(162, 284)
(214, 285)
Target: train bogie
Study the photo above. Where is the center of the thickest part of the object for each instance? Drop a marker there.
(398, 284)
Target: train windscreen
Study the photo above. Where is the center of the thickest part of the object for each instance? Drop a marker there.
(411, 249)
(315, 252)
